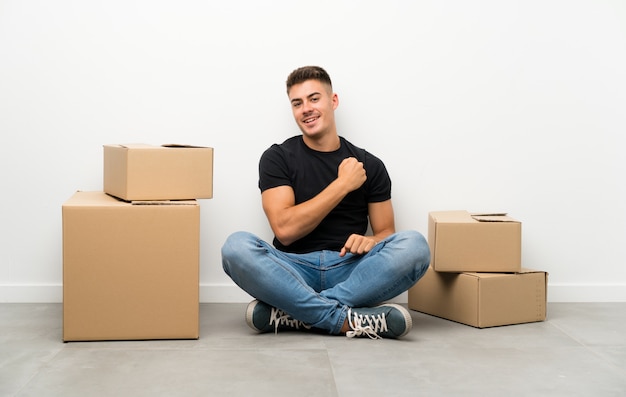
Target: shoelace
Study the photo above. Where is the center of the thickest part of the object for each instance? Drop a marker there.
(363, 324)
(278, 317)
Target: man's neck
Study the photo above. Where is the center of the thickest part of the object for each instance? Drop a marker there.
(323, 144)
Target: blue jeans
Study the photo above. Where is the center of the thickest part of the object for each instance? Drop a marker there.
(319, 287)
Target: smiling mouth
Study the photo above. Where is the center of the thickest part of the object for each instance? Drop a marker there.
(309, 120)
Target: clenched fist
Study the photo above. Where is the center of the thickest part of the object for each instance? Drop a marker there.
(351, 173)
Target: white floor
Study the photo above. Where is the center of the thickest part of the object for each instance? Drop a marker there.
(579, 351)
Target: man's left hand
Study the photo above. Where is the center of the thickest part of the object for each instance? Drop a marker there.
(358, 244)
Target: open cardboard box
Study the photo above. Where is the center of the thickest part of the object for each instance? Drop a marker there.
(167, 172)
(463, 242)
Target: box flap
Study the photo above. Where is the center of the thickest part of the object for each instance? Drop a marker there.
(488, 213)
(527, 270)
(176, 145)
(492, 217)
(523, 270)
(163, 202)
(149, 146)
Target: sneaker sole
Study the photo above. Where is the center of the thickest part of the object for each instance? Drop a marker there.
(405, 313)
(249, 313)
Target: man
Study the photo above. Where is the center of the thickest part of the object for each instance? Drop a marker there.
(318, 192)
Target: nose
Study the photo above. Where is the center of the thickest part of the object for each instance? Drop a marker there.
(306, 107)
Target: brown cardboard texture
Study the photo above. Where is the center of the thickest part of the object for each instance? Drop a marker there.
(130, 272)
(482, 299)
(168, 172)
(464, 242)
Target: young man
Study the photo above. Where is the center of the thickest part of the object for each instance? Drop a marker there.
(318, 192)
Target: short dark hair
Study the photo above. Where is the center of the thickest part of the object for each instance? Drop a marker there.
(305, 73)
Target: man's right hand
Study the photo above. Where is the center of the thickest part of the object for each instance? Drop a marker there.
(351, 173)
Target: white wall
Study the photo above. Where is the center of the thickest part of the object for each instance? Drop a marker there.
(477, 105)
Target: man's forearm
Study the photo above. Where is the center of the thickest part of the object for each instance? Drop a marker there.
(296, 221)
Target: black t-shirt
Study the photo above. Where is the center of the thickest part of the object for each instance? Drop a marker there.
(308, 172)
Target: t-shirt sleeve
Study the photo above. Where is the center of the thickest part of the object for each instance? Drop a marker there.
(379, 188)
(273, 170)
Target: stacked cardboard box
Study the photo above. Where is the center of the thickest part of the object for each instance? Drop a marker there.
(167, 172)
(131, 252)
(475, 276)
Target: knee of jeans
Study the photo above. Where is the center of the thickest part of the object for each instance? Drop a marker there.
(420, 251)
(234, 248)
(237, 240)
(413, 239)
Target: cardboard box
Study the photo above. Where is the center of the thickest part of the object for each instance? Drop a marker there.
(482, 299)
(168, 172)
(130, 271)
(464, 242)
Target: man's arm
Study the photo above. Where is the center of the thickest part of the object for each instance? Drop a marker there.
(290, 222)
(382, 223)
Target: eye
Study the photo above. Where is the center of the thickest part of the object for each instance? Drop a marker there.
(296, 104)
(315, 99)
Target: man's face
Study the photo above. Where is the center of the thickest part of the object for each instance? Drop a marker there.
(313, 105)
